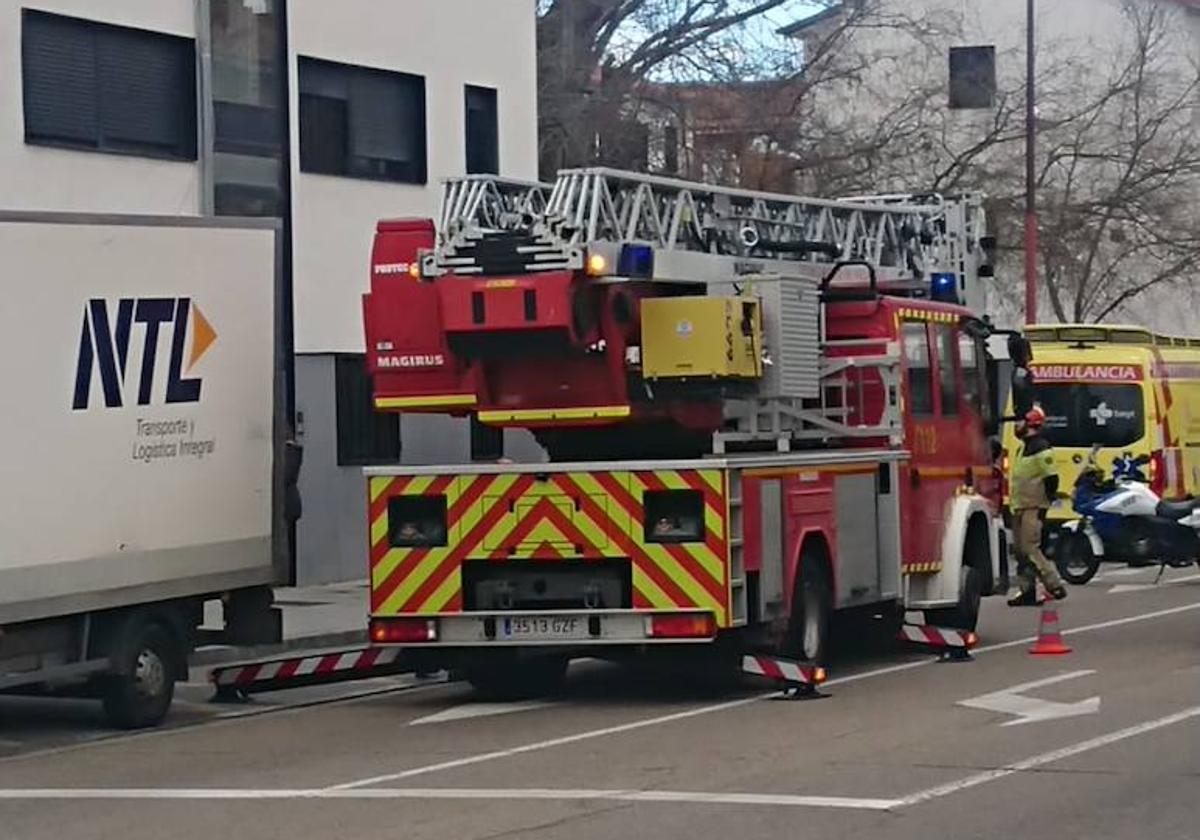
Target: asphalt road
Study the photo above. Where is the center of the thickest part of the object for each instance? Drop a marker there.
(1101, 743)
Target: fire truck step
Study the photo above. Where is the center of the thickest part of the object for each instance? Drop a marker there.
(236, 681)
(799, 679)
(951, 645)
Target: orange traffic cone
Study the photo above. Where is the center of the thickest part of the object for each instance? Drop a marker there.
(1049, 639)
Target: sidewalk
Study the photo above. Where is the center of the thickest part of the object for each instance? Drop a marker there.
(330, 615)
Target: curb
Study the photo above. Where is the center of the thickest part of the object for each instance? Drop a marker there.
(223, 654)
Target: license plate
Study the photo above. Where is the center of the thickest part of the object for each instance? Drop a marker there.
(541, 627)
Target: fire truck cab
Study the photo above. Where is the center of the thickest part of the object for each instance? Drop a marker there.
(759, 411)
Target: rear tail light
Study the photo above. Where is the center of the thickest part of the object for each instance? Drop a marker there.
(403, 630)
(689, 626)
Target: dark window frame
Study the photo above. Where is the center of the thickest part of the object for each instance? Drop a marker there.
(976, 381)
(481, 103)
(487, 442)
(102, 36)
(949, 386)
(926, 408)
(670, 150)
(365, 437)
(972, 75)
(413, 170)
(683, 509)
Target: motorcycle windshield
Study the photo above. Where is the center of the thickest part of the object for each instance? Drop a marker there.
(1084, 414)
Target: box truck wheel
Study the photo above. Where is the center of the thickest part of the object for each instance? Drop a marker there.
(140, 690)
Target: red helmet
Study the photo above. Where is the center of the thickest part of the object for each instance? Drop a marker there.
(1035, 418)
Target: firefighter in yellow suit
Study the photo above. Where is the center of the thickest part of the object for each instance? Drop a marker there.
(1034, 484)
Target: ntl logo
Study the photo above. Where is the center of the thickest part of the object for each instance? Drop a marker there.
(104, 344)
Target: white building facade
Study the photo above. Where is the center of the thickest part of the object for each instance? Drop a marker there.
(329, 116)
(940, 83)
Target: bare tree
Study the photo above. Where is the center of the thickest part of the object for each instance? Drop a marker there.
(595, 57)
(1121, 178)
(1119, 156)
(861, 107)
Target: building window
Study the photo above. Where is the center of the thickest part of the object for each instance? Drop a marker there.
(919, 370)
(93, 86)
(248, 85)
(362, 123)
(487, 442)
(972, 77)
(671, 150)
(364, 436)
(483, 131)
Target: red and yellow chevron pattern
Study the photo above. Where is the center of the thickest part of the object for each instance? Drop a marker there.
(577, 515)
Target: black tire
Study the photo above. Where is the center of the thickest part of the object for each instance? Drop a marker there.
(965, 614)
(808, 635)
(1075, 559)
(140, 693)
(505, 678)
(976, 557)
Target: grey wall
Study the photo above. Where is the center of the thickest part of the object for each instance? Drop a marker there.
(331, 536)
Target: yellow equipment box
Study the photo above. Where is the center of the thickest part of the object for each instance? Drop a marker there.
(701, 338)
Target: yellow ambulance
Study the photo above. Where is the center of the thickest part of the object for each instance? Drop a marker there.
(1127, 390)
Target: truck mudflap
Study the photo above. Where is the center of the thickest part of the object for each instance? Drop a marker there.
(620, 545)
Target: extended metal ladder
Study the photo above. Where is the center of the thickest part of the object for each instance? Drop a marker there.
(906, 236)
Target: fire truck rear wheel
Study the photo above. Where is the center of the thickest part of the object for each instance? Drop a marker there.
(812, 611)
(512, 679)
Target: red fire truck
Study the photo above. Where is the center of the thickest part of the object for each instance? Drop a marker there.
(758, 410)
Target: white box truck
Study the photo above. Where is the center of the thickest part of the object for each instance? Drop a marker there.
(142, 449)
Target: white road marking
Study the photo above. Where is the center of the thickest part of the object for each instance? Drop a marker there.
(521, 794)
(1143, 587)
(536, 746)
(1012, 701)
(866, 803)
(1128, 571)
(1050, 757)
(475, 710)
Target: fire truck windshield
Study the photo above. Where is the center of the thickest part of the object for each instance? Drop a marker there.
(1085, 414)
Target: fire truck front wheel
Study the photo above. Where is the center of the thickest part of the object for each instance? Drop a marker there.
(965, 614)
(511, 678)
(812, 609)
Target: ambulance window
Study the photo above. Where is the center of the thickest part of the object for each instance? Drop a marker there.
(947, 375)
(919, 370)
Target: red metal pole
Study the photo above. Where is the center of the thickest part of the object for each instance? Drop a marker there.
(1031, 219)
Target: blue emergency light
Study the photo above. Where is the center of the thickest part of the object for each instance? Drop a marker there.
(943, 286)
(636, 260)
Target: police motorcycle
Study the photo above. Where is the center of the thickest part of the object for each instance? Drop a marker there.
(1123, 520)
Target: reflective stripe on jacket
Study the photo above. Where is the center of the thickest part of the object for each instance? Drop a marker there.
(1033, 464)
